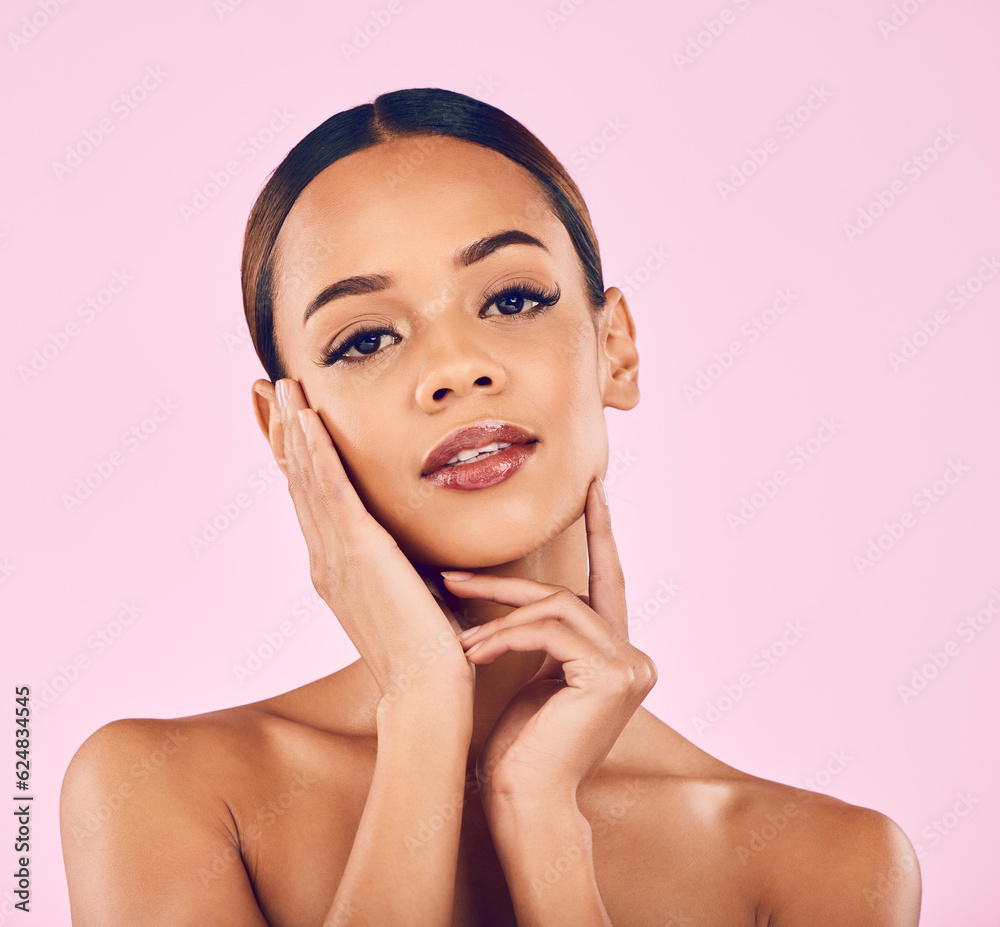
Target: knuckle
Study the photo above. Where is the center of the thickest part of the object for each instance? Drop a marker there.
(551, 624)
(320, 577)
(648, 672)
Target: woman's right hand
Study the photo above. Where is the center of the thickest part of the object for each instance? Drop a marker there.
(383, 604)
(424, 715)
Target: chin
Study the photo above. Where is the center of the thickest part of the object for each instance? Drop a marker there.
(457, 530)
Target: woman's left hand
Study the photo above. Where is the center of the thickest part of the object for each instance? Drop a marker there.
(557, 730)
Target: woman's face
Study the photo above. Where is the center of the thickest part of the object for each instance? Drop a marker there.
(403, 215)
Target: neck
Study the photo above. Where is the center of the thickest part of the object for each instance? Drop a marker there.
(562, 561)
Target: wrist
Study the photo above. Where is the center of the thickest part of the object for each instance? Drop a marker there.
(531, 827)
(435, 711)
(547, 855)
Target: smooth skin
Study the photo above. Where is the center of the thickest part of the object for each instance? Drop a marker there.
(488, 760)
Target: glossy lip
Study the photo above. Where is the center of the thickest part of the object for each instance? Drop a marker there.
(473, 436)
(481, 474)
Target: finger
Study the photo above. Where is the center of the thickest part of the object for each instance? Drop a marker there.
(579, 657)
(607, 581)
(561, 605)
(316, 463)
(507, 590)
(296, 465)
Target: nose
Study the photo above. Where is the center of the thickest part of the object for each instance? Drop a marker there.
(457, 364)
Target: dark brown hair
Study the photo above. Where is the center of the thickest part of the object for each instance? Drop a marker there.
(395, 115)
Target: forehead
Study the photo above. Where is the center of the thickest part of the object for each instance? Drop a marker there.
(420, 198)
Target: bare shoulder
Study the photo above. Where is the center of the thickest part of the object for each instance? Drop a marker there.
(822, 861)
(790, 857)
(153, 812)
(140, 819)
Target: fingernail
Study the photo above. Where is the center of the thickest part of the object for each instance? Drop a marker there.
(456, 575)
(281, 391)
(304, 420)
(474, 648)
(604, 492)
(467, 633)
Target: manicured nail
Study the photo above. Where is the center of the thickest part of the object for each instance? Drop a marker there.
(467, 633)
(281, 391)
(456, 575)
(474, 648)
(304, 420)
(604, 492)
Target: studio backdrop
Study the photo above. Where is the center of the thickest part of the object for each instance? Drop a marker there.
(800, 203)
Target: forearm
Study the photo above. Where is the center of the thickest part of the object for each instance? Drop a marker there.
(548, 861)
(403, 861)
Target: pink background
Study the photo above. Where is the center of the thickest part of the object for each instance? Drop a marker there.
(649, 136)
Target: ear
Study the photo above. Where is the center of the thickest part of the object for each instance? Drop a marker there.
(265, 406)
(617, 353)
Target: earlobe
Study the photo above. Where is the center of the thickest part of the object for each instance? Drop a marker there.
(618, 353)
(265, 406)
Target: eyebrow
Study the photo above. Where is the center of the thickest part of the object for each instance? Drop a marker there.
(375, 283)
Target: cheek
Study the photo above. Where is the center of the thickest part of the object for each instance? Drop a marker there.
(564, 390)
(381, 448)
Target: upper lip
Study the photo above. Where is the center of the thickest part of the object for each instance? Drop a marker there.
(473, 436)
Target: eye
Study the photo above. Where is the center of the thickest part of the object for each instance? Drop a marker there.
(359, 346)
(519, 299)
(514, 299)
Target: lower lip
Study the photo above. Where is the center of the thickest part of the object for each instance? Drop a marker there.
(483, 473)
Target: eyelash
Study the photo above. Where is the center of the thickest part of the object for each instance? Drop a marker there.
(527, 291)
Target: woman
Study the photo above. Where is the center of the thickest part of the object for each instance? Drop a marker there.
(424, 290)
